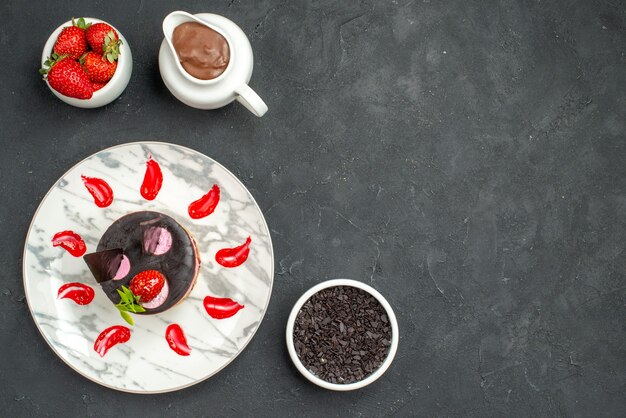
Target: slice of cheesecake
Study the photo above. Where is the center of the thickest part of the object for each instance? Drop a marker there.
(146, 241)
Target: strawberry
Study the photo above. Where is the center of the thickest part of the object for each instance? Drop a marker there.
(147, 285)
(67, 77)
(72, 42)
(97, 86)
(99, 69)
(103, 39)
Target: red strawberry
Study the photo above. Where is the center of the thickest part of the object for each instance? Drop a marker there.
(72, 42)
(100, 70)
(103, 39)
(147, 285)
(67, 77)
(97, 86)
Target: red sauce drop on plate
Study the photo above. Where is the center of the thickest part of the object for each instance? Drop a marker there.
(221, 308)
(152, 180)
(100, 190)
(117, 334)
(206, 204)
(70, 241)
(78, 292)
(233, 257)
(176, 339)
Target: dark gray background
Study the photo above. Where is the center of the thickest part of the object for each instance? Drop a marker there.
(466, 158)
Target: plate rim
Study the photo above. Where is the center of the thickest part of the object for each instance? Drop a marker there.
(146, 392)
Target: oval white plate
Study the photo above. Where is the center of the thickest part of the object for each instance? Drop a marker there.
(146, 364)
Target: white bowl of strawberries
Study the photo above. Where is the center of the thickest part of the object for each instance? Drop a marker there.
(86, 62)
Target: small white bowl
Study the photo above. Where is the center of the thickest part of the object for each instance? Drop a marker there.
(116, 84)
(349, 386)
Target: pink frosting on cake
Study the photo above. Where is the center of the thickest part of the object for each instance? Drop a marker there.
(157, 240)
(123, 269)
(158, 299)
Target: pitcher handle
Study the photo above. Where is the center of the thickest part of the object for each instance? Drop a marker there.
(247, 97)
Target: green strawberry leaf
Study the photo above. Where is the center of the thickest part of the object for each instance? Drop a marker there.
(82, 58)
(123, 295)
(127, 317)
(128, 303)
(52, 59)
(80, 22)
(111, 46)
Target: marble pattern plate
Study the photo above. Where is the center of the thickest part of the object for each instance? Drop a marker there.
(146, 364)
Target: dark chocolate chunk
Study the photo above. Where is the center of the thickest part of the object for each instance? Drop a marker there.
(338, 337)
(104, 264)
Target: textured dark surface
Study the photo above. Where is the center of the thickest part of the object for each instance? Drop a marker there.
(466, 158)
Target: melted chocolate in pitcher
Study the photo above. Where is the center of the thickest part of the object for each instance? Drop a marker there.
(203, 52)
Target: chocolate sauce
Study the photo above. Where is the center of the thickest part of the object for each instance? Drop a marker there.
(202, 52)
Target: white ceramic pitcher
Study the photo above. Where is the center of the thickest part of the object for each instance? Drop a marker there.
(231, 85)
